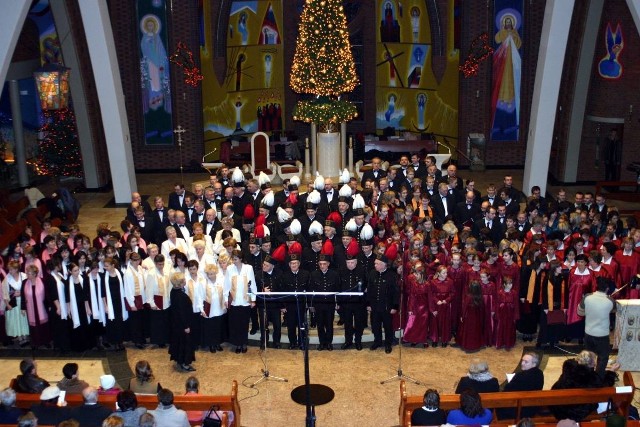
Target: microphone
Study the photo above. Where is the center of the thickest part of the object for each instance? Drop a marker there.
(444, 145)
(211, 152)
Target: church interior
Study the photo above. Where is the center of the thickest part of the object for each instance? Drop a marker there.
(106, 98)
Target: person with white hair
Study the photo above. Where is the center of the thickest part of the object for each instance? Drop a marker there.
(91, 413)
(9, 414)
(478, 378)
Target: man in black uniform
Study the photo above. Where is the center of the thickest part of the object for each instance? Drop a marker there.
(254, 258)
(352, 279)
(294, 280)
(270, 309)
(382, 302)
(324, 280)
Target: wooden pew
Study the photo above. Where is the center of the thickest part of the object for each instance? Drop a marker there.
(227, 402)
(517, 400)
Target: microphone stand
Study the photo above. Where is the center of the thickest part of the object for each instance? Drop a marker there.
(400, 375)
(266, 376)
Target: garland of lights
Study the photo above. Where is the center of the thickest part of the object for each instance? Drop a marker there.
(183, 57)
(479, 51)
(324, 110)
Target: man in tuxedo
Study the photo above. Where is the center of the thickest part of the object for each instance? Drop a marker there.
(375, 173)
(145, 223)
(466, 211)
(160, 220)
(198, 213)
(211, 224)
(442, 204)
(419, 166)
(183, 228)
(189, 207)
(136, 197)
(491, 196)
(512, 207)
(452, 172)
(241, 198)
(471, 186)
(514, 193)
(537, 200)
(489, 222)
(253, 188)
(328, 198)
(223, 176)
(176, 199)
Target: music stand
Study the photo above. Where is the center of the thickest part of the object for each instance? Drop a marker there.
(309, 394)
(399, 375)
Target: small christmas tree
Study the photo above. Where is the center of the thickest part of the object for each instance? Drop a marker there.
(323, 64)
(59, 151)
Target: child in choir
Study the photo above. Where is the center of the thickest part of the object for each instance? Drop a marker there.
(489, 300)
(506, 315)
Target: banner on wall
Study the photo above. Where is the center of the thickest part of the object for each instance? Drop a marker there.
(410, 96)
(507, 70)
(155, 80)
(609, 66)
(249, 97)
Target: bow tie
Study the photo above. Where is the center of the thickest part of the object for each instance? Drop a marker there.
(160, 210)
(329, 193)
(182, 225)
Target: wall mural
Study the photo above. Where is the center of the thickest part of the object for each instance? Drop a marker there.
(507, 70)
(609, 66)
(250, 95)
(154, 72)
(409, 96)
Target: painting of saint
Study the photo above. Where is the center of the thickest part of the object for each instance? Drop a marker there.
(389, 27)
(507, 71)
(154, 66)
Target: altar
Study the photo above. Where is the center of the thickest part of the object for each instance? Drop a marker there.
(627, 334)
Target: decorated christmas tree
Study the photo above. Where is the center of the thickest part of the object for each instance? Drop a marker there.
(59, 151)
(323, 64)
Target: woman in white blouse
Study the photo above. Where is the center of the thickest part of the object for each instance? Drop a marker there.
(15, 321)
(242, 289)
(213, 308)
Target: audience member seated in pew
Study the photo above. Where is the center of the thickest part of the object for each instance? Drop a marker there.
(144, 383)
(479, 379)
(91, 413)
(28, 420)
(128, 408)
(471, 411)
(71, 383)
(580, 373)
(430, 414)
(9, 414)
(47, 411)
(29, 381)
(530, 377)
(167, 414)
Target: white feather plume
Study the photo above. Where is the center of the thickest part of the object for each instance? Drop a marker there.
(318, 184)
(237, 175)
(358, 202)
(351, 225)
(314, 197)
(345, 176)
(295, 180)
(263, 178)
(367, 232)
(295, 227)
(282, 215)
(268, 199)
(315, 228)
(345, 191)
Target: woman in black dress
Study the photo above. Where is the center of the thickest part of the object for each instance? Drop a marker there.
(113, 299)
(79, 296)
(181, 347)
